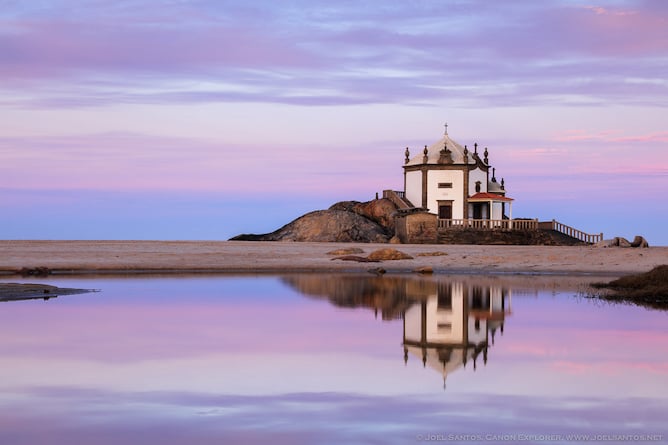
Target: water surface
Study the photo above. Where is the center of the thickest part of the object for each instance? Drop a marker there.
(330, 359)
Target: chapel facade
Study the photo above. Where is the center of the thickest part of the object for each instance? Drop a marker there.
(455, 183)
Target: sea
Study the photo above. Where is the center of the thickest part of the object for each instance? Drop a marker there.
(331, 359)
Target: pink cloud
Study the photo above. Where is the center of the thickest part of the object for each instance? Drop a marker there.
(599, 10)
(610, 136)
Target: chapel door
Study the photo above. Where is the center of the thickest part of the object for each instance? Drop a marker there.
(477, 210)
(445, 211)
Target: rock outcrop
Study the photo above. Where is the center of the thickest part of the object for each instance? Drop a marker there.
(347, 221)
(619, 241)
(380, 211)
(644, 289)
(16, 291)
(378, 221)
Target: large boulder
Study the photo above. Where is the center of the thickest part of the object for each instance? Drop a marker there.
(325, 226)
(380, 211)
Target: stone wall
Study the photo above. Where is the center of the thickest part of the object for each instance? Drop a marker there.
(538, 237)
(417, 228)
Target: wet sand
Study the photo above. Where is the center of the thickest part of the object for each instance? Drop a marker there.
(133, 257)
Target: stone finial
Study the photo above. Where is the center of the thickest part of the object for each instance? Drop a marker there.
(425, 158)
(446, 128)
(486, 155)
(503, 184)
(445, 155)
(466, 154)
(493, 174)
(408, 155)
(475, 148)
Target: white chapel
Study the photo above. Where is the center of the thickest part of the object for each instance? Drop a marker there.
(455, 183)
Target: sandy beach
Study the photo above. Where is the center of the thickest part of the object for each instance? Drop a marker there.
(127, 257)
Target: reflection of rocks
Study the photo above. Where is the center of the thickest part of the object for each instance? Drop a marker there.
(385, 294)
(35, 271)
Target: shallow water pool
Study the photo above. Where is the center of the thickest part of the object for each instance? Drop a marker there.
(331, 359)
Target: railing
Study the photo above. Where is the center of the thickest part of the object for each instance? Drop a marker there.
(570, 231)
(490, 224)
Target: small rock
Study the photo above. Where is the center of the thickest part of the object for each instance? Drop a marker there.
(619, 241)
(426, 270)
(607, 243)
(639, 241)
(623, 242)
(377, 271)
(359, 259)
(346, 251)
(35, 271)
(389, 254)
(431, 254)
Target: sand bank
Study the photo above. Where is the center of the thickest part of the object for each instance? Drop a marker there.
(16, 291)
(81, 257)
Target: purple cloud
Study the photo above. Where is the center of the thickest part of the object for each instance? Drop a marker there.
(382, 54)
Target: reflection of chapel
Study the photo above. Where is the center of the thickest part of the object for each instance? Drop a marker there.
(453, 327)
(454, 182)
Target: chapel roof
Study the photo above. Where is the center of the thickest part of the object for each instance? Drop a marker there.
(495, 187)
(434, 152)
(485, 197)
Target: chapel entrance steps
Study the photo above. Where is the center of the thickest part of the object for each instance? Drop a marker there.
(398, 199)
(571, 232)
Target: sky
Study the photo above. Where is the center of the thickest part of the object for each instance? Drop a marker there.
(144, 119)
